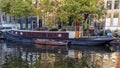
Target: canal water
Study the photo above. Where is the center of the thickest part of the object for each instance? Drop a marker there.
(26, 55)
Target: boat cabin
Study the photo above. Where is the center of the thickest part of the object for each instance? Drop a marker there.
(8, 27)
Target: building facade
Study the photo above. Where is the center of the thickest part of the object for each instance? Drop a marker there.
(112, 20)
(7, 19)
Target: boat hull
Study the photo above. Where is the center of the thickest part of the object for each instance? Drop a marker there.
(90, 41)
(11, 37)
(50, 42)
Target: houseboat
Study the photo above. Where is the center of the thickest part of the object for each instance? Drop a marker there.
(70, 37)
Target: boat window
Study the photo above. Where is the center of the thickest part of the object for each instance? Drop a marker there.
(14, 27)
(16, 33)
(6, 28)
(21, 33)
(59, 35)
(3, 28)
(12, 31)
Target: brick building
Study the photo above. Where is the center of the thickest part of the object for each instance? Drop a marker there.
(112, 20)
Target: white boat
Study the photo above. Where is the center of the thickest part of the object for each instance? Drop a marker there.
(9, 26)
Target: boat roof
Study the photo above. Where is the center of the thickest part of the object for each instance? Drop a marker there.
(42, 31)
(9, 25)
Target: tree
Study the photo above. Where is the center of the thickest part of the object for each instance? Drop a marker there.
(49, 12)
(18, 8)
(81, 10)
(66, 11)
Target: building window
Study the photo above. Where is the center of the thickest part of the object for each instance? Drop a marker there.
(107, 22)
(115, 21)
(109, 4)
(116, 14)
(116, 5)
(109, 15)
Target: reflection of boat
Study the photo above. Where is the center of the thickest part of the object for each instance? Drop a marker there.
(69, 36)
(89, 48)
(50, 47)
(50, 42)
(54, 49)
(14, 43)
(1, 36)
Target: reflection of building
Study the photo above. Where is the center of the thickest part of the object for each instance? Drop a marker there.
(46, 55)
(113, 14)
(97, 59)
(7, 53)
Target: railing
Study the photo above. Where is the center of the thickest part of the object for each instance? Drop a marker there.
(73, 28)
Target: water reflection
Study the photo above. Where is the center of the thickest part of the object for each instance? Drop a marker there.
(26, 55)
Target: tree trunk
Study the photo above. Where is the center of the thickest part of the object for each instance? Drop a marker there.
(70, 21)
(85, 29)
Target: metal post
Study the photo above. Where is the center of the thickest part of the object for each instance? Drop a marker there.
(37, 21)
(37, 13)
